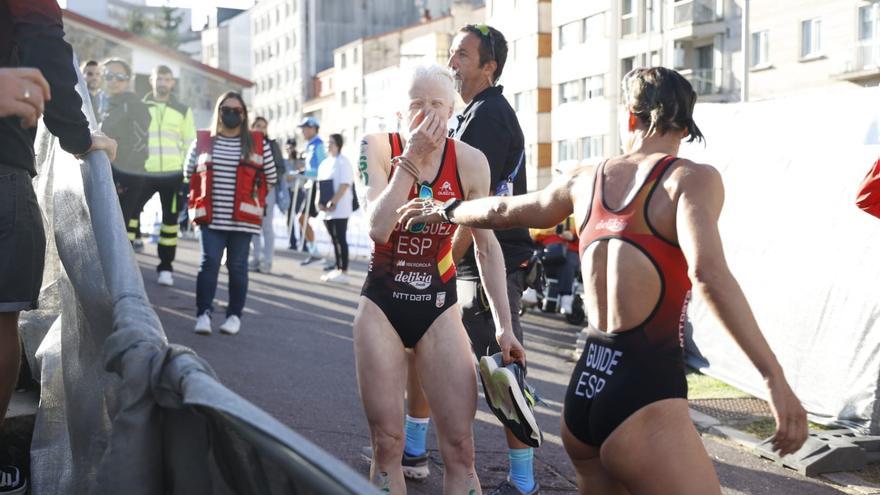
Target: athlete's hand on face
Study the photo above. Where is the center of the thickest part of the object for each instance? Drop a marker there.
(427, 132)
(23, 93)
(511, 349)
(420, 210)
(791, 418)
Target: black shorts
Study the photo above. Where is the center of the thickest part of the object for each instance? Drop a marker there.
(410, 312)
(618, 374)
(22, 241)
(301, 203)
(477, 317)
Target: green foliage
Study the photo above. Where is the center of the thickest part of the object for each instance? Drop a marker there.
(161, 27)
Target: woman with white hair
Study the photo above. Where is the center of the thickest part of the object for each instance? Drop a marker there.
(408, 301)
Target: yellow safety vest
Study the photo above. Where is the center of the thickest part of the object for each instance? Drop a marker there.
(172, 130)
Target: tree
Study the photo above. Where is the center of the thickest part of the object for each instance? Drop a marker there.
(138, 24)
(166, 26)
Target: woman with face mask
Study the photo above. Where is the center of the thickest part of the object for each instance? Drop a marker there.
(229, 169)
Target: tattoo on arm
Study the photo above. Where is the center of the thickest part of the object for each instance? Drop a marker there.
(362, 164)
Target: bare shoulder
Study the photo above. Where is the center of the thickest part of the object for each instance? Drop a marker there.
(689, 174)
(378, 141)
(468, 157)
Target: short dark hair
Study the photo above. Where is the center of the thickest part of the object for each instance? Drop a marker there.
(291, 142)
(258, 118)
(88, 63)
(494, 39)
(337, 139)
(663, 100)
(123, 63)
(162, 69)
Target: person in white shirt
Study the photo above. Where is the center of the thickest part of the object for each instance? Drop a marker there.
(336, 171)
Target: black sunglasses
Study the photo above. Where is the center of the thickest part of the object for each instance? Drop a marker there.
(231, 110)
(119, 76)
(485, 32)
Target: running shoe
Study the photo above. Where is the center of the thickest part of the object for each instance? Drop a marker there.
(337, 277)
(203, 324)
(414, 467)
(510, 398)
(165, 278)
(231, 326)
(309, 260)
(509, 488)
(137, 245)
(12, 481)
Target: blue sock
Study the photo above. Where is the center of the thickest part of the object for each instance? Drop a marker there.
(416, 433)
(522, 473)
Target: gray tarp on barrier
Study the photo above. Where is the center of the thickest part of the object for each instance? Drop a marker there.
(806, 257)
(121, 409)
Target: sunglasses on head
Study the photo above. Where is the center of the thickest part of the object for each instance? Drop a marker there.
(119, 76)
(485, 32)
(237, 110)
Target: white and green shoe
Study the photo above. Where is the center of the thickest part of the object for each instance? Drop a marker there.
(510, 398)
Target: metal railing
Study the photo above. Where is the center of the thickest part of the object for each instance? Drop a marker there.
(868, 55)
(694, 12)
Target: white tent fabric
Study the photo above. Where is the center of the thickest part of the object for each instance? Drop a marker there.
(806, 257)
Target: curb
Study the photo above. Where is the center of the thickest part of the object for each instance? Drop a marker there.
(711, 425)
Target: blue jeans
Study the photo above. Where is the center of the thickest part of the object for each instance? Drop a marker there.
(237, 245)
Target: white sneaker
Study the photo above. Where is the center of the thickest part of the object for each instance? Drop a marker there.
(165, 278)
(565, 303)
(231, 326)
(326, 277)
(265, 268)
(337, 277)
(203, 324)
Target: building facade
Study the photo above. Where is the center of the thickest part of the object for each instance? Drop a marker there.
(295, 40)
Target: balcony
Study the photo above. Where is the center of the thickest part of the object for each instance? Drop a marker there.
(694, 12)
(864, 67)
(713, 84)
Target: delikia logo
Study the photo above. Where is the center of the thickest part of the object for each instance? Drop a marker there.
(612, 224)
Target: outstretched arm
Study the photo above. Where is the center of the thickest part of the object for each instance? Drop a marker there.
(542, 209)
(699, 206)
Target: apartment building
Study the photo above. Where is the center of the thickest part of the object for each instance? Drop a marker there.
(365, 91)
(803, 44)
(294, 40)
(527, 27)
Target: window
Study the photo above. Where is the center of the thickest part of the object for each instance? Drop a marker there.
(517, 102)
(811, 38)
(760, 42)
(354, 56)
(867, 22)
(570, 91)
(287, 42)
(594, 26)
(591, 147)
(343, 100)
(627, 17)
(570, 34)
(568, 150)
(342, 60)
(653, 12)
(594, 86)
(627, 65)
(355, 96)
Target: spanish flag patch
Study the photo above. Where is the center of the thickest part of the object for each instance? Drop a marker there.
(445, 265)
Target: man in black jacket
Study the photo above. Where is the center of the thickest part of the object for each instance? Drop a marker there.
(31, 35)
(127, 120)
